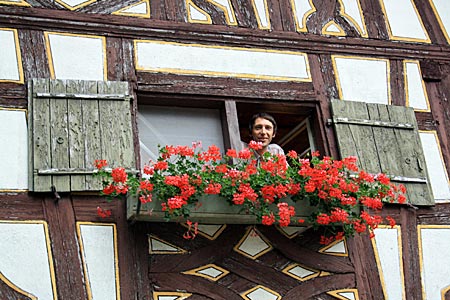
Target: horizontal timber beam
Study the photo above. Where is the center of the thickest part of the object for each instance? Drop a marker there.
(133, 28)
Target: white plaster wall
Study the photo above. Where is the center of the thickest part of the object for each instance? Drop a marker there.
(435, 166)
(261, 13)
(332, 28)
(416, 96)
(301, 9)
(362, 79)
(435, 273)
(442, 8)
(24, 258)
(352, 9)
(73, 3)
(403, 19)
(196, 14)
(77, 57)
(140, 9)
(9, 59)
(389, 256)
(99, 257)
(235, 62)
(14, 150)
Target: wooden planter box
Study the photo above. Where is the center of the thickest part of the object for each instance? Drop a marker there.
(211, 210)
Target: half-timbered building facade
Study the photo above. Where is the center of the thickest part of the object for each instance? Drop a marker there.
(112, 79)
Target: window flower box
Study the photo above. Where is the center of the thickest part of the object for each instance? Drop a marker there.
(187, 184)
(211, 209)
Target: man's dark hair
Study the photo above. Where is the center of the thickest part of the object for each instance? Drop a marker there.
(264, 116)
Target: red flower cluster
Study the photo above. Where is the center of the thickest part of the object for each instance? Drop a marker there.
(347, 200)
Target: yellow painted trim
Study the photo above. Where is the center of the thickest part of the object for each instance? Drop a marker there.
(121, 12)
(181, 296)
(400, 253)
(151, 236)
(406, 39)
(22, 3)
(209, 237)
(244, 294)
(322, 250)
(195, 272)
(286, 270)
(116, 256)
(290, 236)
(83, 4)
(49, 250)
(362, 32)
(305, 16)
(258, 18)
(335, 293)
(424, 89)
(50, 56)
(444, 291)
(436, 13)
(190, 4)
(330, 23)
(225, 9)
(18, 56)
(214, 73)
(440, 150)
(338, 82)
(14, 109)
(16, 288)
(242, 240)
(324, 273)
(12, 191)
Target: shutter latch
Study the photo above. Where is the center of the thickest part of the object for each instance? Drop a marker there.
(55, 193)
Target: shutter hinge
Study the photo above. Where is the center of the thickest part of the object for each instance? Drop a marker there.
(408, 179)
(398, 178)
(119, 97)
(76, 171)
(375, 123)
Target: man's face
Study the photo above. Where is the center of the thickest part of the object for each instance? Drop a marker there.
(262, 131)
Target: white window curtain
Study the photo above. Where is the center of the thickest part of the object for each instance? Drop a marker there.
(161, 125)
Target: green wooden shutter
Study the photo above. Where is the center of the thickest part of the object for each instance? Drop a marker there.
(71, 124)
(385, 139)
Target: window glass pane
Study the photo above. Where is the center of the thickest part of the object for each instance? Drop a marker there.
(163, 125)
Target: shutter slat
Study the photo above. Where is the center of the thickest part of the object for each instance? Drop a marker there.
(40, 135)
(356, 140)
(411, 158)
(76, 135)
(117, 141)
(59, 135)
(388, 149)
(91, 129)
(385, 142)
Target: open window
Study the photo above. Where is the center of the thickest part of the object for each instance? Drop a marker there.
(294, 124)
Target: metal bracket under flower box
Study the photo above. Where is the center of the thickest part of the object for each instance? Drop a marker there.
(211, 209)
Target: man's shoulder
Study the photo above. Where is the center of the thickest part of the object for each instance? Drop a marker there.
(275, 149)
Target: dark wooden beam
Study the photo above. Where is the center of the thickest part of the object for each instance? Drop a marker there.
(134, 28)
(225, 87)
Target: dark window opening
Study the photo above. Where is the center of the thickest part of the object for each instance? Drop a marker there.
(293, 121)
